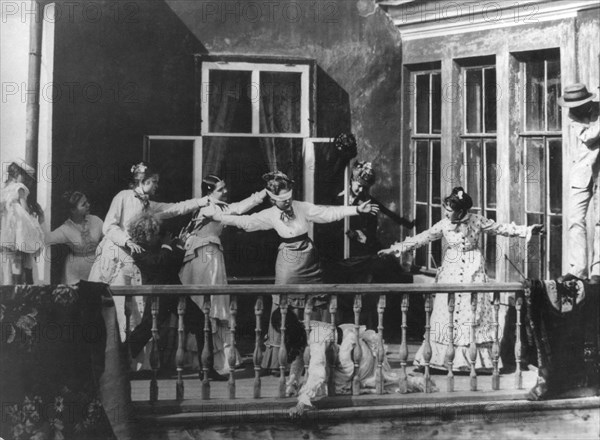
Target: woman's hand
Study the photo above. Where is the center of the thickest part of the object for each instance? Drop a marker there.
(386, 252)
(297, 411)
(537, 229)
(368, 208)
(134, 247)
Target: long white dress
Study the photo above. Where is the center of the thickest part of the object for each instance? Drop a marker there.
(204, 264)
(21, 236)
(82, 241)
(114, 265)
(463, 262)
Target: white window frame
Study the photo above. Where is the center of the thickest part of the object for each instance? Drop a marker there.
(481, 137)
(429, 138)
(545, 136)
(256, 69)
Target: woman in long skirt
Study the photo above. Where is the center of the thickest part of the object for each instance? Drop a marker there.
(297, 259)
(204, 262)
(463, 262)
(114, 264)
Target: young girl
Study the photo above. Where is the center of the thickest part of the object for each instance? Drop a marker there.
(204, 262)
(81, 232)
(297, 260)
(464, 262)
(21, 236)
(114, 264)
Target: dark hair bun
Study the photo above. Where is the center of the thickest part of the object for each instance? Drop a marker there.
(459, 200)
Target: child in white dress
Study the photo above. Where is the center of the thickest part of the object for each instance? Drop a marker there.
(21, 236)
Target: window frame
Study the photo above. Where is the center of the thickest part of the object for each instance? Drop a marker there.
(481, 137)
(545, 136)
(430, 138)
(256, 68)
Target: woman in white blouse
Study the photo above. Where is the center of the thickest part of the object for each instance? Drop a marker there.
(297, 259)
(114, 264)
(81, 233)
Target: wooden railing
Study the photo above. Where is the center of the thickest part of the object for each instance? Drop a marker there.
(333, 290)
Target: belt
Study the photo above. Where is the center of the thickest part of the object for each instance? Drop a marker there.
(295, 239)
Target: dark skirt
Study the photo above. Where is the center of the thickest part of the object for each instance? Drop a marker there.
(297, 263)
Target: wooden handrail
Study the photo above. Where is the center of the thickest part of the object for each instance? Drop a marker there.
(337, 289)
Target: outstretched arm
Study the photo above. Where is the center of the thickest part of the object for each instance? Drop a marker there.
(509, 229)
(395, 217)
(411, 243)
(168, 210)
(260, 221)
(245, 205)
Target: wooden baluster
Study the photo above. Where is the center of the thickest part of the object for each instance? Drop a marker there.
(308, 309)
(232, 359)
(331, 352)
(518, 372)
(127, 309)
(403, 353)
(427, 343)
(357, 352)
(257, 356)
(450, 352)
(282, 349)
(154, 353)
(180, 348)
(496, 344)
(379, 380)
(473, 345)
(207, 352)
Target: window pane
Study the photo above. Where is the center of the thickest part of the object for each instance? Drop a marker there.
(553, 90)
(422, 223)
(436, 172)
(534, 96)
(422, 181)
(436, 246)
(474, 101)
(490, 249)
(491, 177)
(229, 106)
(436, 103)
(473, 171)
(534, 175)
(555, 261)
(555, 179)
(280, 95)
(534, 257)
(490, 100)
(422, 104)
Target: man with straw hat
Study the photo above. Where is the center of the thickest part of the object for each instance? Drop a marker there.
(583, 186)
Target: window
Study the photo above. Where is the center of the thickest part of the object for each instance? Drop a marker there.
(426, 142)
(254, 118)
(542, 154)
(255, 99)
(478, 136)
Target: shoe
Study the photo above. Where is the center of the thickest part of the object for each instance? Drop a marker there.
(595, 279)
(566, 277)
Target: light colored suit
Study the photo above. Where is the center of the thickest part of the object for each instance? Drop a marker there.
(583, 188)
